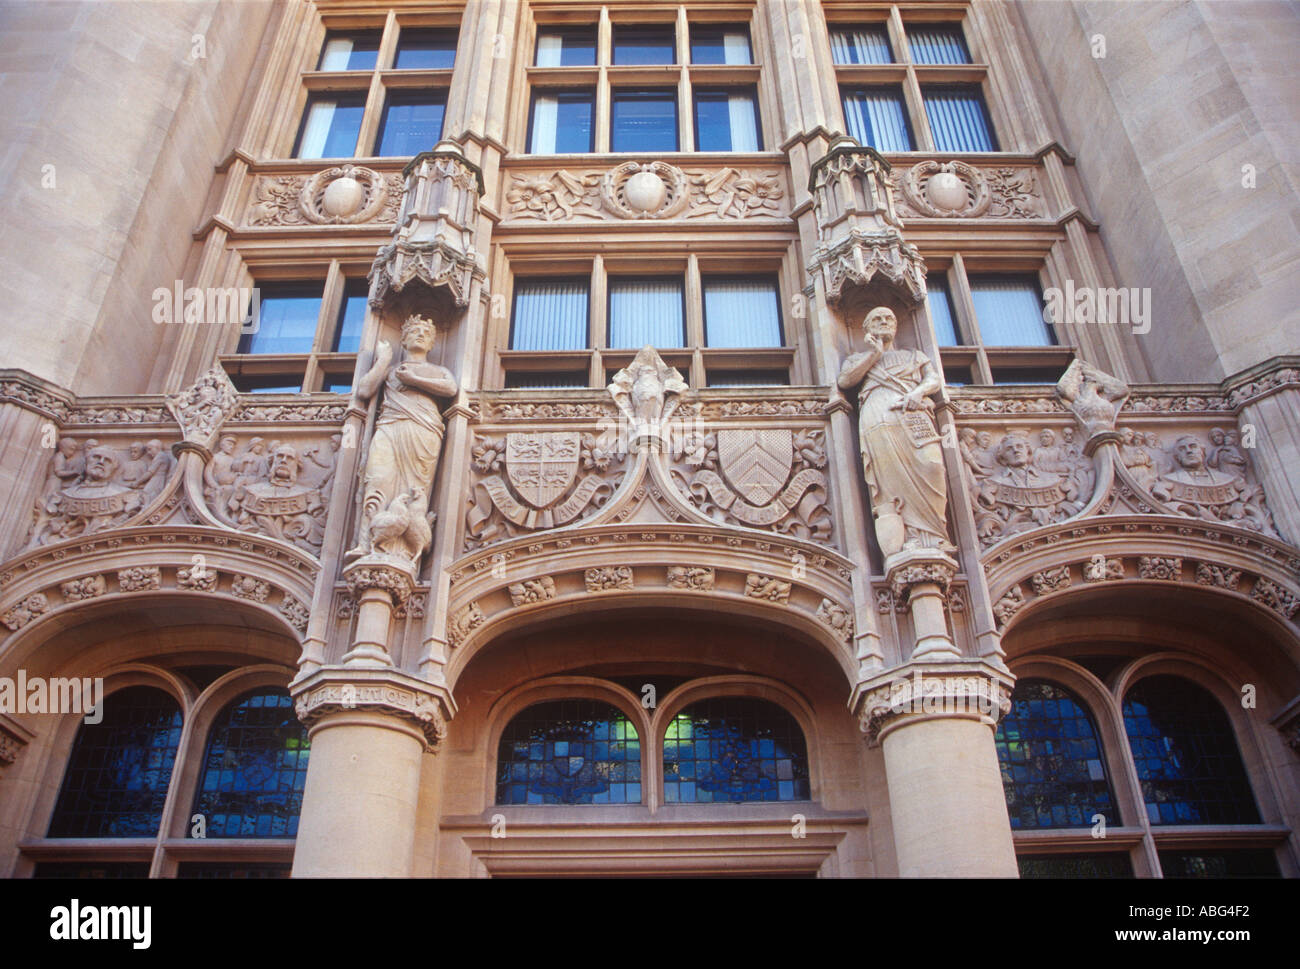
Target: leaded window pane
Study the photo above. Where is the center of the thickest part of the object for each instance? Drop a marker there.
(1053, 773)
(1219, 864)
(1109, 864)
(1186, 755)
(731, 749)
(569, 752)
(254, 769)
(117, 775)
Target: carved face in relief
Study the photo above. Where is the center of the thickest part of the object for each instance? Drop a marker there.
(67, 447)
(227, 445)
(881, 322)
(1046, 438)
(1126, 435)
(1189, 453)
(417, 334)
(153, 448)
(985, 439)
(1216, 436)
(1013, 451)
(136, 451)
(100, 464)
(284, 466)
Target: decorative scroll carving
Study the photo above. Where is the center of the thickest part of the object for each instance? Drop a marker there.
(542, 486)
(695, 577)
(532, 590)
(1017, 486)
(554, 197)
(1281, 601)
(767, 587)
(344, 195)
(1050, 580)
(759, 477)
(1217, 575)
(295, 612)
(735, 194)
(25, 611)
(92, 486)
(608, 578)
(1011, 602)
(1015, 194)
(275, 489)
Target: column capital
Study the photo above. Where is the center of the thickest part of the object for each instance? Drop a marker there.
(970, 689)
(341, 691)
(913, 567)
(388, 573)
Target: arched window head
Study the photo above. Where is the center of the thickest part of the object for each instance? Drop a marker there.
(569, 752)
(254, 769)
(1053, 773)
(735, 749)
(1186, 755)
(117, 776)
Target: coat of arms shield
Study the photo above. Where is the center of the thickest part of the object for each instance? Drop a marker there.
(756, 462)
(541, 466)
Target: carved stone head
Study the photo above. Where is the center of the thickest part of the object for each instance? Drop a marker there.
(882, 322)
(101, 464)
(67, 447)
(227, 445)
(418, 334)
(1189, 453)
(1046, 437)
(284, 465)
(1013, 449)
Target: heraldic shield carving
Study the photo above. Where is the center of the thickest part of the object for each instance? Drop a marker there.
(542, 466)
(756, 462)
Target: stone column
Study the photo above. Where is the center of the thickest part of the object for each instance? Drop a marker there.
(369, 730)
(935, 723)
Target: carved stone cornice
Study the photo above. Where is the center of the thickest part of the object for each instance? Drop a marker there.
(927, 691)
(333, 691)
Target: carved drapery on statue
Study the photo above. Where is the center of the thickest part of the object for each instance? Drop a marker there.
(902, 458)
(404, 448)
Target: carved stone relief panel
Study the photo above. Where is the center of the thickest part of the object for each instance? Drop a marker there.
(344, 195)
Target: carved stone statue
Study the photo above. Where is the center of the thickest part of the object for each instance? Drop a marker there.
(647, 392)
(405, 446)
(902, 458)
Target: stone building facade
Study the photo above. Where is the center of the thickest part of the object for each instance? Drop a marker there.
(557, 514)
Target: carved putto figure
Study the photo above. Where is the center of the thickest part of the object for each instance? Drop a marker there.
(902, 458)
(405, 446)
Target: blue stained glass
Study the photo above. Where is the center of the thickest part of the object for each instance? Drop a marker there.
(119, 770)
(571, 757)
(744, 750)
(244, 794)
(1186, 755)
(1051, 784)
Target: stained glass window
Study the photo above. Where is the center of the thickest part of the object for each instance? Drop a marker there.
(254, 769)
(1053, 773)
(1219, 864)
(569, 752)
(1186, 755)
(117, 776)
(735, 749)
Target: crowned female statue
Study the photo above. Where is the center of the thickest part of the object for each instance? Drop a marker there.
(902, 458)
(405, 445)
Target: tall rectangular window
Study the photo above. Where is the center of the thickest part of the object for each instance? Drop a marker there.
(712, 44)
(861, 45)
(646, 311)
(937, 44)
(426, 50)
(644, 121)
(958, 118)
(352, 317)
(566, 47)
(412, 123)
(741, 312)
(945, 329)
(638, 44)
(726, 121)
(287, 314)
(1009, 311)
(562, 123)
(350, 52)
(550, 314)
(330, 126)
(876, 117)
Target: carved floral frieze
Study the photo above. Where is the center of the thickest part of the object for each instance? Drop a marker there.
(958, 190)
(343, 195)
(645, 190)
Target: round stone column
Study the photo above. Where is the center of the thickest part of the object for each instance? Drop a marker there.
(935, 723)
(369, 730)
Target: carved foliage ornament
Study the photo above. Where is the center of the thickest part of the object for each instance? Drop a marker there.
(345, 195)
(957, 190)
(203, 408)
